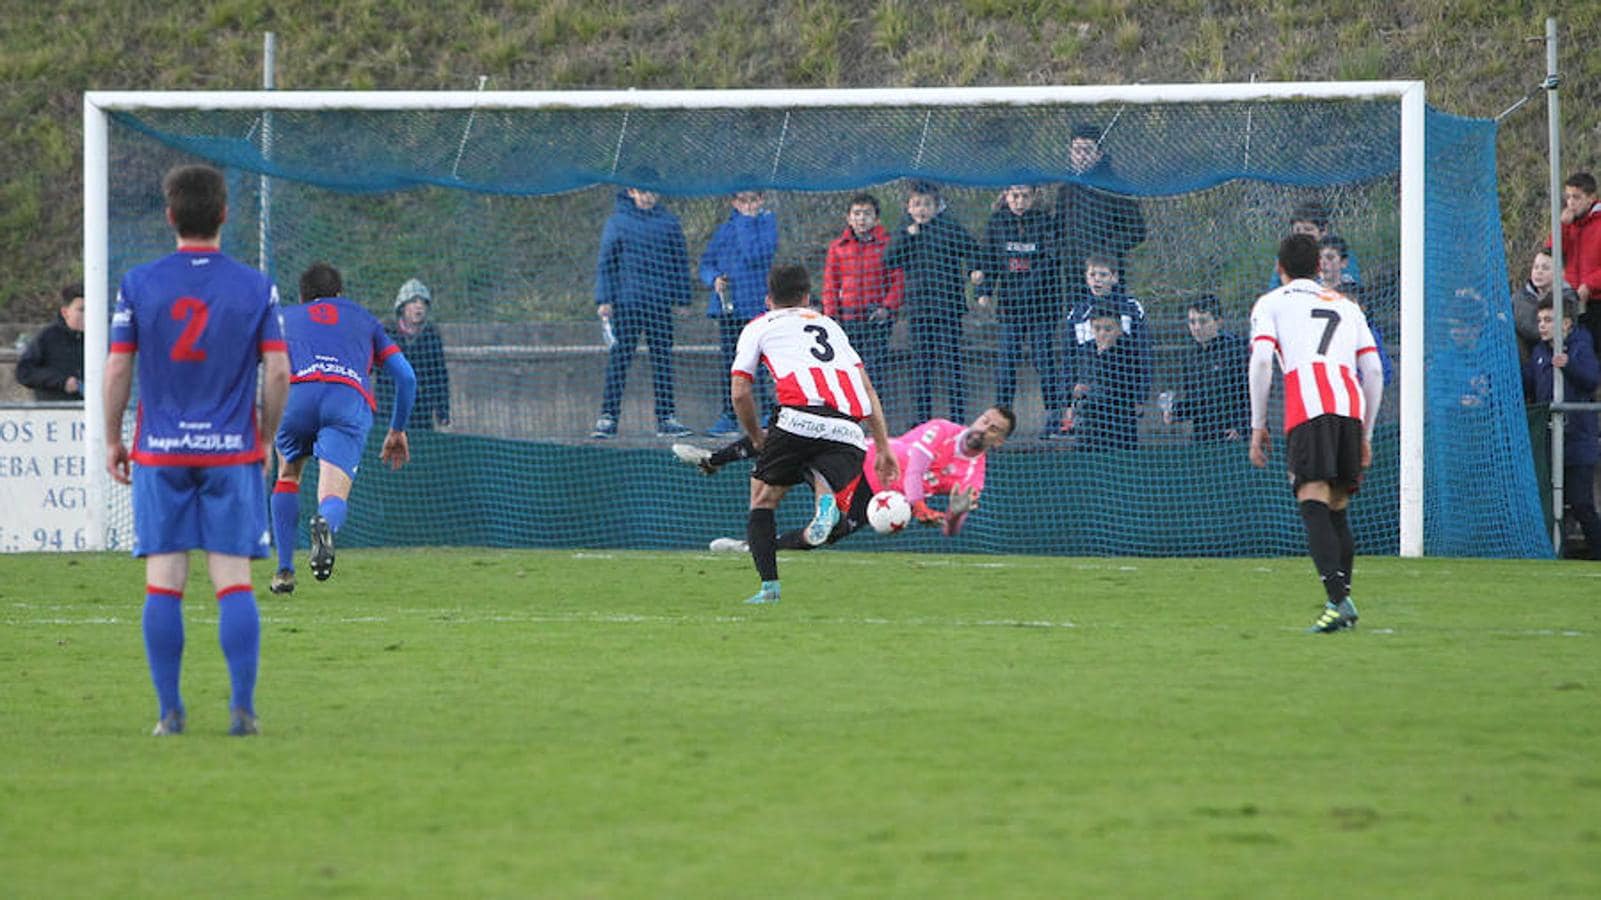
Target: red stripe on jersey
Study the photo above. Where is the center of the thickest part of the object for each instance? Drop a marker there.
(820, 381)
(857, 407)
(1352, 392)
(163, 592)
(1325, 387)
(789, 391)
(1294, 406)
(124, 347)
(388, 351)
(193, 460)
(339, 379)
(274, 346)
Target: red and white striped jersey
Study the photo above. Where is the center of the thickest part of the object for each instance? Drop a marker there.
(810, 358)
(1318, 335)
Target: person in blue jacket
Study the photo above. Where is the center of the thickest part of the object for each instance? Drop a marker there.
(735, 267)
(1581, 373)
(641, 274)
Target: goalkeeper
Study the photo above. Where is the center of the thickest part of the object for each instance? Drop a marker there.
(938, 457)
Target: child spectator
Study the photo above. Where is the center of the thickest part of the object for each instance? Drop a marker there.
(858, 291)
(1581, 374)
(1114, 378)
(1214, 391)
(1020, 277)
(420, 343)
(1092, 216)
(1526, 302)
(735, 267)
(1312, 218)
(1334, 258)
(937, 257)
(52, 364)
(1101, 290)
(641, 274)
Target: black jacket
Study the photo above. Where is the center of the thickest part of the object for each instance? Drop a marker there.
(1096, 220)
(935, 262)
(55, 354)
(426, 353)
(1108, 416)
(1020, 263)
(1216, 388)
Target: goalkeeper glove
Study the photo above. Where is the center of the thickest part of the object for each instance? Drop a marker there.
(927, 516)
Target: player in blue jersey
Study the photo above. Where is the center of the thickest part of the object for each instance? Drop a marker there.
(196, 324)
(333, 343)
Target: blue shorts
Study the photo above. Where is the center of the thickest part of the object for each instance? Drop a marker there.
(325, 420)
(220, 509)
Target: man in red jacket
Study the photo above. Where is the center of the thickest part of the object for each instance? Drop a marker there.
(1581, 236)
(858, 292)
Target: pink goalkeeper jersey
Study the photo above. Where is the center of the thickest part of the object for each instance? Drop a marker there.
(932, 462)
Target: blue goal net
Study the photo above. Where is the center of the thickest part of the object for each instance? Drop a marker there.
(1089, 265)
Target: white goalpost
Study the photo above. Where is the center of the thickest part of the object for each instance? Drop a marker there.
(99, 279)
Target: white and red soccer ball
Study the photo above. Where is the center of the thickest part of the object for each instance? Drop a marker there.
(888, 512)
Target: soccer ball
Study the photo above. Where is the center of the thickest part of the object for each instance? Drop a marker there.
(888, 512)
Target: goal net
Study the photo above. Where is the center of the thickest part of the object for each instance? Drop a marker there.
(1122, 235)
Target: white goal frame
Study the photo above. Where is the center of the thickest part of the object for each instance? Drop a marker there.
(1410, 94)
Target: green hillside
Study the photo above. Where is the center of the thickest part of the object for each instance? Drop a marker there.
(1475, 56)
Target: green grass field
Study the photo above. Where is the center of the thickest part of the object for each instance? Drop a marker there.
(460, 722)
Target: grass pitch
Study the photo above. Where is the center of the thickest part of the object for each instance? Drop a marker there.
(460, 722)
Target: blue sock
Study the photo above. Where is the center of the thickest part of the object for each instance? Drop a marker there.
(239, 631)
(333, 509)
(163, 627)
(285, 527)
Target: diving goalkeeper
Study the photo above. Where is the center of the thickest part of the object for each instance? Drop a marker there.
(937, 458)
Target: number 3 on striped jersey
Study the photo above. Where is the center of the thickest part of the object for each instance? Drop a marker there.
(824, 351)
(1328, 329)
(195, 311)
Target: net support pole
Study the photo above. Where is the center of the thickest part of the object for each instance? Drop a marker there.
(96, 274)
(269, 66)
(1553, 111)
(1413, 223)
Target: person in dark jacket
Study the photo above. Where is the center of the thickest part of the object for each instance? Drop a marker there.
(735, 267)
(937, 257)
(1581, 373)
(1094, 213)
(1113, 380)
(1099, 290)
(1020, 279)
(419, 340)
(642, 273)
(52, 364)
(1214, 392)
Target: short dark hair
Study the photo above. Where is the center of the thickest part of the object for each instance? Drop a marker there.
(1008, 415)
(1101, 259)
(865, 199)
(1084, 131)
(789, 285)
(71, 292)
(1337, 242)
(1584, 181)
(1311, 211)
(1102, 311)
(920, 186)
(320, 280)
(1298, 255)
(197, 196)
(1206, 303)
(1548, 301)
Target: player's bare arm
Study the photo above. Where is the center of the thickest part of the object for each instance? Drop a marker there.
(274, 394)
(1261, 381)
(118, 388)
(888, 469)
(396, 451)
(744, 401)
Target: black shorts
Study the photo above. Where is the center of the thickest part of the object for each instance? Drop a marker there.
(787, 459)
(1327, 448)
